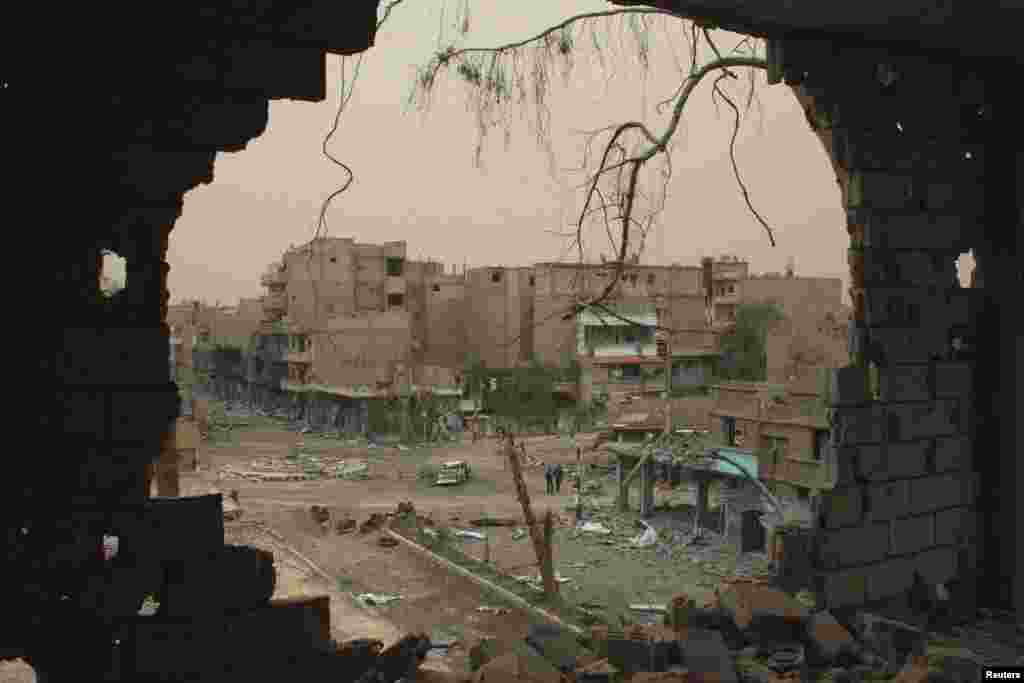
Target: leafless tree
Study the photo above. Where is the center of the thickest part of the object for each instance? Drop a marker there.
(624, 191)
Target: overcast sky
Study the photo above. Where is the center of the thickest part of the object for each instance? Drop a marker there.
(416, 180)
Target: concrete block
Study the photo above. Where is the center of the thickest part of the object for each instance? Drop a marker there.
(842, 507)
(908, 307)
(958, 308)
(938, 565)
(136, 414)
(846, 463)
(827, 638)
(848, 386)
(888, 500)
(844, 588)
(911, 534)
(965, 197)
(904, 383)
(707, 658)
(859, 424)
(174, 650)
(956, 526)
(83, 413)
(909, 344)
(893, 640)
(853, 546)
(763, 610)
(878, 190)
(890, 578)
(233, 578)
(923, 420)
(937, 492)
(184, 527)
(952, 454)
(953, 379)
(913, 231)
(893, 461)
(900, 267)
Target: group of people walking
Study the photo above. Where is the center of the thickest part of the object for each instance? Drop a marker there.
(553, 475)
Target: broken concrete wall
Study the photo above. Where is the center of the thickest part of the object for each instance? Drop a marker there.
(905, 493)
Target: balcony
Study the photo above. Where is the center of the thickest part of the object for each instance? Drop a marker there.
(608, 351)
(275, 303)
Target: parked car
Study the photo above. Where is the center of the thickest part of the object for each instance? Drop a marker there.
(452, 472)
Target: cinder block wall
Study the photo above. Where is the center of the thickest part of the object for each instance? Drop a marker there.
(905, 493)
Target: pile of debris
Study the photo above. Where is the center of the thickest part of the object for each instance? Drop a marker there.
(300, 467)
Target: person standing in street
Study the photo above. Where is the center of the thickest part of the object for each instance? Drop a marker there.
(558, 474)
(549, 477)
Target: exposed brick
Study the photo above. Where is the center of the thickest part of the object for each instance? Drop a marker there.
(952, 453)
(888, 501)
(904, 383)
(842, 507)
(936, 566)
(853, 546)
(955, 526)
(953, 379)
(937, 492)
(889, 578)
(915, 231)
(893, 461)
(911, 534)
(845, 588)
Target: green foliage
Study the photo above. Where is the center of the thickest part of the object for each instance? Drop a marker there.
(745, 343)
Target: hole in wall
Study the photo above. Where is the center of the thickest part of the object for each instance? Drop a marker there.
(965, 265)
(113, 273)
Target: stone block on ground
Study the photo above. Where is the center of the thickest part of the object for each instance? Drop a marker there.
(630, 655)
(827, 638)
(892, 640)
(707, 658)
(762, 612)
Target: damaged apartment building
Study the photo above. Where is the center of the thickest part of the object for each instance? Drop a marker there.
(348, 328)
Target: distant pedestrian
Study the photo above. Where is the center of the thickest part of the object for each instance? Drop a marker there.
(559, 473)
(549, 477)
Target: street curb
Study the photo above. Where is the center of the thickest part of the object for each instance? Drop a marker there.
(507, 595)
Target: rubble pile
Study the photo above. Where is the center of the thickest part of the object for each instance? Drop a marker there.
(751, 633)
(299, 466)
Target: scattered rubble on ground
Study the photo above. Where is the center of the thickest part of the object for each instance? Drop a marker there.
(299, 467)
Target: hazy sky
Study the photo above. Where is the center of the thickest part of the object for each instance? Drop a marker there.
(415, 177)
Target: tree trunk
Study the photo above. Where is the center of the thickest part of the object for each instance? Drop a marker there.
(540, 547)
